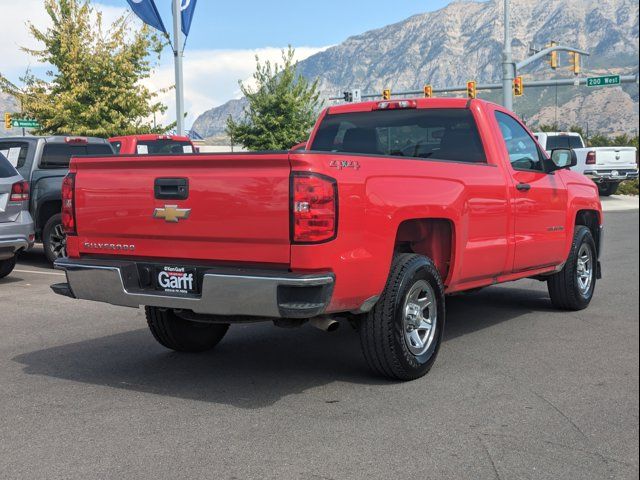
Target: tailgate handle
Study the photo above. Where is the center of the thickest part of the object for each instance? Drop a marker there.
(171, 188)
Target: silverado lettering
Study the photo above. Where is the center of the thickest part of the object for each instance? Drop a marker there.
(453, 195)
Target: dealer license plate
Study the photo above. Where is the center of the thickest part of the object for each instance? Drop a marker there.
(174, 279)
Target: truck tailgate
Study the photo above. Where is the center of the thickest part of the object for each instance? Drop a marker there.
(236, 209)
(615, 156)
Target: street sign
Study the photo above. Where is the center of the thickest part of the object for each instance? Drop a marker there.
(25, 124)
(604, 81)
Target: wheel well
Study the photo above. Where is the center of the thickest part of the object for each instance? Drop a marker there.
(48, 210)
(431, 237)
(591, 220)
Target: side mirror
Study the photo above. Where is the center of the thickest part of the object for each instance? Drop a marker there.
(563, 158)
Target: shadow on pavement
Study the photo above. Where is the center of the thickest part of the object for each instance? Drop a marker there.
(34, 258)
(11, 279)
(256, 365)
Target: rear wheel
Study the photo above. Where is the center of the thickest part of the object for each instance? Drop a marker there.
(54, 239)
(572, 288)
(176, 333)
(608, 189)
(7, 266)
(401, 335)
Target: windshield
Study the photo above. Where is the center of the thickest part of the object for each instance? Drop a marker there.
(444, 134)
(155, 147)
(564, 141)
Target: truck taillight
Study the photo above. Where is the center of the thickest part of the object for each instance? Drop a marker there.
(591, 158)
(68, 204)
(19, 192)
(314, 208)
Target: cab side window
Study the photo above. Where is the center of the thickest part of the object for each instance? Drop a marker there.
(523, 150)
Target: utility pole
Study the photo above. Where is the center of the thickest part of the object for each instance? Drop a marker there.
(508, 66)
(178, 51)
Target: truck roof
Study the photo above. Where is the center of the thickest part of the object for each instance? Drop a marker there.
(421, 103)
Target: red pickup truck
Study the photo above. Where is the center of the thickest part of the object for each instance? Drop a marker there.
(390, 206)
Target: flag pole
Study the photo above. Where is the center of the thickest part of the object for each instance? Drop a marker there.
(178, 51)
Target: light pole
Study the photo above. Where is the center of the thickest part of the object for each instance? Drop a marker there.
(508, 67)
(177, 58)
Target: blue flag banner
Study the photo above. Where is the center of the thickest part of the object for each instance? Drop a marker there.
(148, 13)
(187, 7)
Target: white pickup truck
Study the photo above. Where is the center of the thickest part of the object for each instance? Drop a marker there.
(606, 166)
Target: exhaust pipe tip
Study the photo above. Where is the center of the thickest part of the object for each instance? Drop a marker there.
(325, 324)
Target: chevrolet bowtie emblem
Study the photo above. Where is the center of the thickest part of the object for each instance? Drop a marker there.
(171, 213)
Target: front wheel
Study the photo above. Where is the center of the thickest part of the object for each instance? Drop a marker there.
(401, 335)
(54, 239)
(176, 333)
(572, 288)
(7, 266)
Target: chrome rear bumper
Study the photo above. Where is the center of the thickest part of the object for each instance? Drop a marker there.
(224, 291)
(600, 176)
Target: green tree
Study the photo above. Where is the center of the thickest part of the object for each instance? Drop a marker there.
(599, 140)
(282, 107)
(549, 127)
(95, 85)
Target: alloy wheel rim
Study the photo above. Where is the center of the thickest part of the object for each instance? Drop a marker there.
(584, 269)
(419, 317)
(58, 241)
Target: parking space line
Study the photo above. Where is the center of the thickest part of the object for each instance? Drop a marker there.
(41, 273)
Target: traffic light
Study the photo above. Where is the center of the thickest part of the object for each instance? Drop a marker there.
(7, 121)
(518, 86)
(386, 94)
(428, 91)
(553, 56)
(576, 62)
(471, 89)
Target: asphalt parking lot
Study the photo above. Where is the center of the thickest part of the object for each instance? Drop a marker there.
(519, 391)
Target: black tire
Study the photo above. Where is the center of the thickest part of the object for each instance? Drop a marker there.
(176, 333)
(608, 189)
(54, 246)
(382, 332)
(7, 266)
(564, 287)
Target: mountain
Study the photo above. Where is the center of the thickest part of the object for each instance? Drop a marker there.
(463, 41)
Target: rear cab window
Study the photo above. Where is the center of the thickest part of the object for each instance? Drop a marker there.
(58, 155)
(435, 134)
(159, 147)
(563, 141)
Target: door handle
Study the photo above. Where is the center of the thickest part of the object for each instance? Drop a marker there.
(171, 188)
(523, 187)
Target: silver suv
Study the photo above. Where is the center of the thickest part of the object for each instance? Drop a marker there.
(16, 225)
